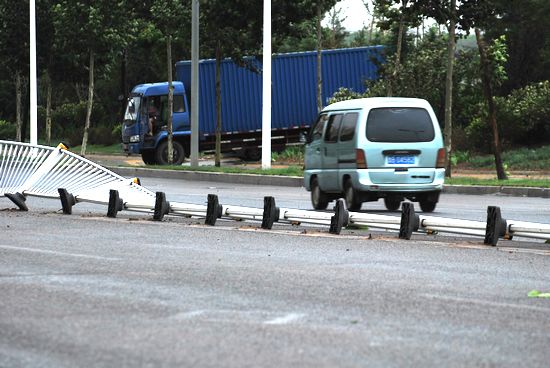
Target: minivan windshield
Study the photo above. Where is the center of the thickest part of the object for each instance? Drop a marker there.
(399, 124)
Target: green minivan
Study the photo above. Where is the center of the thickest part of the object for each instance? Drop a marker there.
(371, 148)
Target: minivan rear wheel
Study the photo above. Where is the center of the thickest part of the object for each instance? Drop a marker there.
(427, 205)
(392, 204)
(351, 196)
(319, 199)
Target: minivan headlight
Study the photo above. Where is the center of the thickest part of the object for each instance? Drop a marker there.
(134, 138)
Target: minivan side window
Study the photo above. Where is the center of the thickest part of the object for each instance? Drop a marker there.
(399, 124)
(348, 126)
(333, 126)
(317, 130)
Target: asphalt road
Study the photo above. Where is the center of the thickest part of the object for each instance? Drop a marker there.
(85, 290)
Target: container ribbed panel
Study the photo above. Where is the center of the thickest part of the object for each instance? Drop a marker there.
(294, 87)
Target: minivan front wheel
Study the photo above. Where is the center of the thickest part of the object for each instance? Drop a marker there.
(319, 199)
(351, 196)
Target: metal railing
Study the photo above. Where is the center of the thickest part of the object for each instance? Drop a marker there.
(49, 172)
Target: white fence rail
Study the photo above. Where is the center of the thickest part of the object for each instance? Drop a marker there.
(48, 172)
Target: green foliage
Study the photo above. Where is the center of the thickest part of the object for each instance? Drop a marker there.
(525, 159)
(285, 171)
(344, 94)
(458, 157)
(422, 75)
(290, 154)
(7, 130)
(523, 115)
(538, 183)
(497, 54)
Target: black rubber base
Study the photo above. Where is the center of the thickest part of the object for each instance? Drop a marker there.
(67, 201)
(19, 200)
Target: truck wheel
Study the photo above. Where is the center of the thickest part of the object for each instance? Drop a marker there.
(351, 196)
(392, 203)
(161, 154)
(148, 157)
(319, 199)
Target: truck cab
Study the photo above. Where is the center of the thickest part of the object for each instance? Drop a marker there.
(144, 128)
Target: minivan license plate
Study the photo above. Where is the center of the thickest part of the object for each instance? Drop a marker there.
(400, 160)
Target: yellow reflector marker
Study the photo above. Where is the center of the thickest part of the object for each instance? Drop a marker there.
(63, 146)
(136, 181)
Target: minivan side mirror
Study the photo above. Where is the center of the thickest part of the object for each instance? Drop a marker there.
(305, 138)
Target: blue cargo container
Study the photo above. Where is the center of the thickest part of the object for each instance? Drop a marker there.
(294, 100)
(294, 87)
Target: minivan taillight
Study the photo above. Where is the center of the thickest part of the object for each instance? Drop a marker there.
(440, 163)
(360, 159)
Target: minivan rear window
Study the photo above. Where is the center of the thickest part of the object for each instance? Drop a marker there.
(402, 124)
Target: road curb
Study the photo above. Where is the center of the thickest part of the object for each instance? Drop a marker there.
(251, 179)
(294, 181)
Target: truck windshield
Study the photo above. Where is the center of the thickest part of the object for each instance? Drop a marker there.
(132, 108)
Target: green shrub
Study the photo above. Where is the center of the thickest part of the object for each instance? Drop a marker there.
(7, 130)
(68, 122)
(103, 135)
(523, 115)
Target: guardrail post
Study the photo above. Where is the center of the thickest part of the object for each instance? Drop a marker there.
(410, 221)
(115, 203)
(271, 213)
(67, 201)
(496, 226)
(19, 200)
(162, 206)
(340, 218)
(213, 210)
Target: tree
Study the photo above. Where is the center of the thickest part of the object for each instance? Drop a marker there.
(14, 27)
(99, 34)
(488, 92)
(445, 12)
(169, 16)
(338, 33)
(525, 24)
(402, 13)
(478, 14)
(321, 7)
(235, 32)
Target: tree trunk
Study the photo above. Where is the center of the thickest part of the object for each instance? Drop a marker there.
(18, 109)
(488, 92)
(397, 64)
(170, 100)
(48, 109)
(319, 69)
(90, 105)
(449, 89)
(371, 28)
(123, 82)
(218, 105)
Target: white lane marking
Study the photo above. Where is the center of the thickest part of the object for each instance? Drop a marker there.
(486, 302)
(188, 315)
(54, 252)
(291, 317)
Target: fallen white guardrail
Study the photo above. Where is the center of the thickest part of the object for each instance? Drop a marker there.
(48, 172)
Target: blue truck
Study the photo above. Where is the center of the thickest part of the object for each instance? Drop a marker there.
(294, 102)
